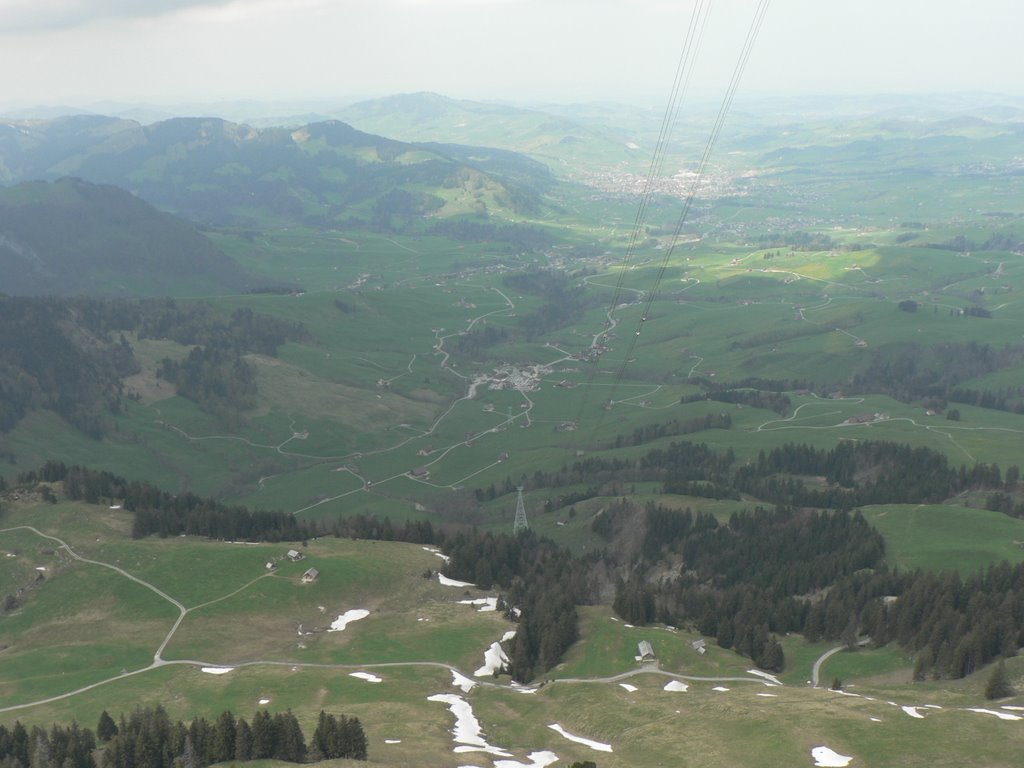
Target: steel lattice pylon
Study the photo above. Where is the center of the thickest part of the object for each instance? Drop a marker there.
(520, 523)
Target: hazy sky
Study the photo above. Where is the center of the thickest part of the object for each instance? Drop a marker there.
(77, 52)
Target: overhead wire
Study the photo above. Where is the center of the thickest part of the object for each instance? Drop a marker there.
(730, 94)
(680, 85)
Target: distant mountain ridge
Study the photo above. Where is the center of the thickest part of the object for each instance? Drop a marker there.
(211, 170)
(72, 237)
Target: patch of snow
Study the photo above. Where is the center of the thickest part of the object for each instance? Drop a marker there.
(463, 682)
(217, 670)
(613, 618)
(720, 689)
(828, 758)
(629, 626)
(367, 676)
(485, 603)
(768, 695)
(392, 741)
(467, 729)
(932, 706)
(437, 553)
(40, 567)
(874, 720)
(115, 506)
(346, 618)
(446, 582)
(912, 711)
(508, 636)
(676, 685)
(631, 145)
(264, 701)
(772, 679)
(537, 760)
(1012, 708)
(595, 745)
(495, 659)
(628, 687)
(1000, 715)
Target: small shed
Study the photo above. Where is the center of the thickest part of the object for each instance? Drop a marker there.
(646, 651)
(271, 565)
(295, 555)
(310, 576)
(698, 646)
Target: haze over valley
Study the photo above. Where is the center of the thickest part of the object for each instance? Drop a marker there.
(371, 392)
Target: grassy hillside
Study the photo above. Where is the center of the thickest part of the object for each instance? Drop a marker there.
(64, 632)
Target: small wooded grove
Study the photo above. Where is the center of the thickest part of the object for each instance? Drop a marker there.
(147, 738)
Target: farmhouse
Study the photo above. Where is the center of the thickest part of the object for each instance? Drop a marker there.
(421, 473)
(310, 576)
(645, 651)
(698, 646)
(294, 555)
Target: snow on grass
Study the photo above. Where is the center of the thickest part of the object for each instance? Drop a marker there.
(828, 758)
(770, 679)
(537, 760)
(720, 689)
(367, 676)
(446, 582)
(463, 682)
(437, 553)
(874, 719)
(347, 618)
(1000, 715)
(768, 695)
(264, 701)
(392, 741)
(1012, 708)
(467, 731)
(595, 745)
(485, 603)
(676, 685)
(217, 670)
(912, 711)
(495, 659)
(628, 687)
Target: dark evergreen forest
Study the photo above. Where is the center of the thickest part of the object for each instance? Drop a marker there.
(148, 738)
(70, 356)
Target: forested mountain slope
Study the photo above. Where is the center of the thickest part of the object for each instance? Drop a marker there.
(74, 237)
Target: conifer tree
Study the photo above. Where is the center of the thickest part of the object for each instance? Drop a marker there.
(999, 686)
(106, 729)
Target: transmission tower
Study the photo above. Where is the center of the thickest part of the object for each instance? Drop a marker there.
(520, 523)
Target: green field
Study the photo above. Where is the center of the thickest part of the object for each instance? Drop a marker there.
(947, 537)
(83, 623)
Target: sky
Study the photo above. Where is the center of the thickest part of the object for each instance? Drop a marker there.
(82, 52)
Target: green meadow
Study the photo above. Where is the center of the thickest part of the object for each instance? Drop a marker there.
(82, 624)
